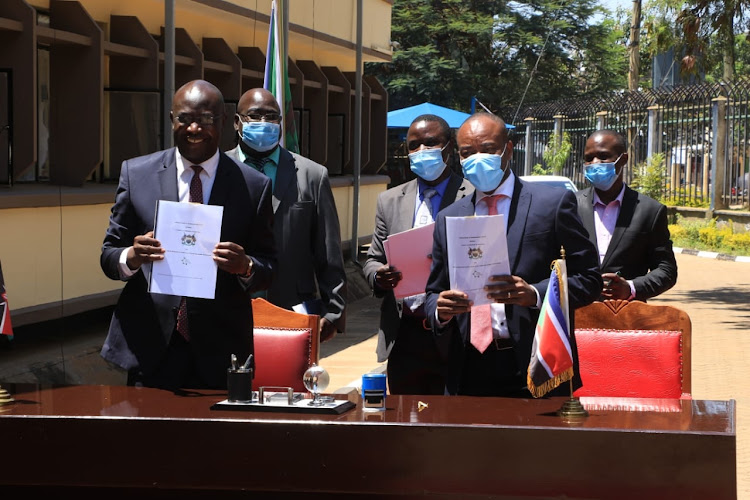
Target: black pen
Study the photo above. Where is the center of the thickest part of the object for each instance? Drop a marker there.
(234, 362)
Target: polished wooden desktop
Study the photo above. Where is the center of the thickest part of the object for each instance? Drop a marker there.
(123, 442)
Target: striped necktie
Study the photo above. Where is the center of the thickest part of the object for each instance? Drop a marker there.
(258, 163)
(196, 196)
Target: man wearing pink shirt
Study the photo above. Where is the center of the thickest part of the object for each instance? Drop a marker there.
(628, 228)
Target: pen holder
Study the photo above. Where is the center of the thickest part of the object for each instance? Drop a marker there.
(239, 385)
(373, 391)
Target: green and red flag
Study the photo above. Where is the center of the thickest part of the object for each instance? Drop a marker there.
(276, 78)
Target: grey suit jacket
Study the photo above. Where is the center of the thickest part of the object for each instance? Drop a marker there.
(142, 322)
(308, 238)
(395, 214)
(640, 249)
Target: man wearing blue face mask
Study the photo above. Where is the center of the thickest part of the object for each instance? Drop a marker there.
(487, 348)
(629, 228)
(403, 340)
(306, 231)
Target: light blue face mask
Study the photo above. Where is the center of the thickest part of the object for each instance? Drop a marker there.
(484, 171)
(261, 136)
(427, 163)
(601, 175)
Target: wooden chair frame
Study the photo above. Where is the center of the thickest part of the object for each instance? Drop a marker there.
(269, 316)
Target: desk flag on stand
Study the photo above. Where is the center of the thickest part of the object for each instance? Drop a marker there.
(551, 357)
(5, 326)
(276, 79)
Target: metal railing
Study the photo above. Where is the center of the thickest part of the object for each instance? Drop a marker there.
(703, 131)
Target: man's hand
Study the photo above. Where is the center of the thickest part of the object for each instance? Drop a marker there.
(387, 277)
(450, 303)
(230, 257)
(145, 249)
(615, 287)
(514, 290)
(327, 330)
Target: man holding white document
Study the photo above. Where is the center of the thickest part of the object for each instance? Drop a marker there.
(487, 346)
(403, 339)
(185, 308)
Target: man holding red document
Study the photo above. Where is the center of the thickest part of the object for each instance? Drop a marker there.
(403, 340)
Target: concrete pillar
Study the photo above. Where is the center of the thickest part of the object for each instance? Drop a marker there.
(558, 128)
(528, 162)
(719, 148)
(601, 120)
(653, 144)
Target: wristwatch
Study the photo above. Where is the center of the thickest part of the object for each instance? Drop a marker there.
(249, 270)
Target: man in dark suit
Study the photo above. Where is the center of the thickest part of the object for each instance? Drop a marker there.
(540, 220)
(310, 268)
(173, 342)
(629, 228)
(403, 338)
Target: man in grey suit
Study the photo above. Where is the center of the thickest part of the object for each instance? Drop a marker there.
(403, 339)
(629, 228)
(173, 342)
(306, 230)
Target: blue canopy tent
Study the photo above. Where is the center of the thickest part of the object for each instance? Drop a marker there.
(402, 118)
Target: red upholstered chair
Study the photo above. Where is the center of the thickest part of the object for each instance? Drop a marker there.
(633, 350)
(286, 344)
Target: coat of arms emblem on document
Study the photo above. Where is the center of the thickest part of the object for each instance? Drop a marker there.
(188, 239)
(475, 253)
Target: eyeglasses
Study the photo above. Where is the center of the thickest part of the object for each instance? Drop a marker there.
(258, 117)
(203, 119)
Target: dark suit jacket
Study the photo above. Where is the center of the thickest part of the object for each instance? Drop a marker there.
(540, 221)
(143, 323)
(640, 247)
(395, 214)
(308, 238)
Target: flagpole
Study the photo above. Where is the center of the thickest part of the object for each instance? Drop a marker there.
(169, 71)
(571, 409)
(357, 150)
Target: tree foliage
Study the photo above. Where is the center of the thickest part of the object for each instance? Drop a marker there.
(448, 51)
(704, 34)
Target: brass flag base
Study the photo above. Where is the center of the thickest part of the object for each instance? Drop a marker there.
(572, 408)
(5, 397)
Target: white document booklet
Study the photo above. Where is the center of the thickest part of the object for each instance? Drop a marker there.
(188, 232)
(477, 249)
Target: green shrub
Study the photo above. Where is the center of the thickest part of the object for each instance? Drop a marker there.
(648, 176)
(555, 155)
(540, 170)
(709, 235)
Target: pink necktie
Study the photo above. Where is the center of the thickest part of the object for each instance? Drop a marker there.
(481, 316)
(196, 196)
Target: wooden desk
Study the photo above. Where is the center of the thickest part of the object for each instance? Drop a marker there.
(122, 442)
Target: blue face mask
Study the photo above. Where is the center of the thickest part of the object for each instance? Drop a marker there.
(261, 136)
(484, 171)
(427, 163)
(601, 175)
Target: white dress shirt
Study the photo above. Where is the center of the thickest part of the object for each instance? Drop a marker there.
(497, 311)
(184, 176)
(605, 221)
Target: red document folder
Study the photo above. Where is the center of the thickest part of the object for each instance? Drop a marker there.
(411, 253)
